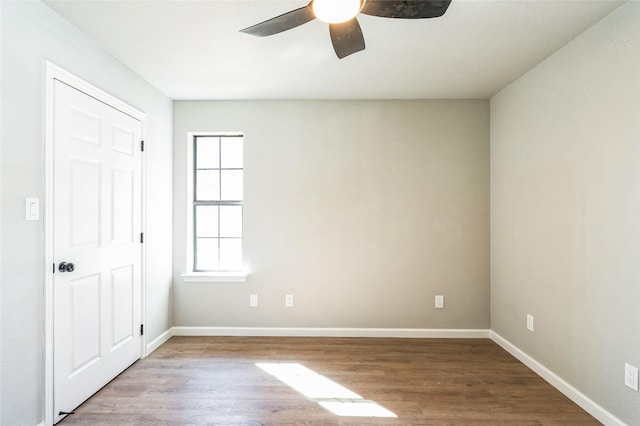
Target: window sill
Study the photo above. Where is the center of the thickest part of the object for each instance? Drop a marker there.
(215, 277)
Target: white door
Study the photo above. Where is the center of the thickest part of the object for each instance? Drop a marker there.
(96, 227)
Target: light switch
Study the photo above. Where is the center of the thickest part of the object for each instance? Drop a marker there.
(32, 209)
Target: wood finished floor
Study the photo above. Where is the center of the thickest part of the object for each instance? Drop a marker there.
(214, 381)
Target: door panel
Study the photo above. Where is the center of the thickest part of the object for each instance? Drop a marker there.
(122, 290)
(122, 184)
(85, 126)
(123, 140)
(96, 218)
(85, 321)
(85, 203)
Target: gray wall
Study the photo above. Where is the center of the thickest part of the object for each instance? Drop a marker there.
(565, 211)
(31, 32)
(363, 210)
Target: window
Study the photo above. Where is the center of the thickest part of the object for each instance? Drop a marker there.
(216, 204)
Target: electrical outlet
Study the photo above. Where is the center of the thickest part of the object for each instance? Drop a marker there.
(631, 376)
(439, 301)
(288, 300)
(529, 322)
(253, 300)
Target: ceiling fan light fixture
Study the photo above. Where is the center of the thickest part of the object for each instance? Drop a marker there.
(336, 11)
(344, 29)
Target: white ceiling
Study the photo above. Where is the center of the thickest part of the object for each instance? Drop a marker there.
(194, 50)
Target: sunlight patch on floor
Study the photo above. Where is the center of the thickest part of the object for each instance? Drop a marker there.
(329, 394)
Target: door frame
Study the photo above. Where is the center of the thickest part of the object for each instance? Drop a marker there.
(54, 72)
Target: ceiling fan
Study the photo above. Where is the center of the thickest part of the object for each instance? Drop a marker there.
(346, 35)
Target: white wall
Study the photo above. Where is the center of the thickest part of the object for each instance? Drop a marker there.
(363, 210)
(565, 211)
(32, 33)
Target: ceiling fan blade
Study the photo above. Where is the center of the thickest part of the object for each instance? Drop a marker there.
(409, 9)
(281, 23)
(346, 38)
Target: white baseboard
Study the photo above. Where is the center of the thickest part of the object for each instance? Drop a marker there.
(557, 382)
(331, 332)
(158, 341)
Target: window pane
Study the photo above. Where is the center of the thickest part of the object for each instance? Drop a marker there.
(206, 221)
(230, 254)
(231, 153)
(207, 153)
(231, 185)
(231, 221)
(207, 185)
(207, 254)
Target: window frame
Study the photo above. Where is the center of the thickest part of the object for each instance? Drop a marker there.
(192, 275)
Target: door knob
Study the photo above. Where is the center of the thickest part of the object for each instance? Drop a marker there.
(66, 267)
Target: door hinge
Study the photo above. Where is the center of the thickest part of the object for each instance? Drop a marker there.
(142, 237)
(54, 268)
(142, 146)
(142, 329)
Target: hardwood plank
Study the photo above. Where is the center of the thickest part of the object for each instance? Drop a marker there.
(215, 381)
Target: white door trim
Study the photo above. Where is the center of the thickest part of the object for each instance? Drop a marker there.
(53, 72)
